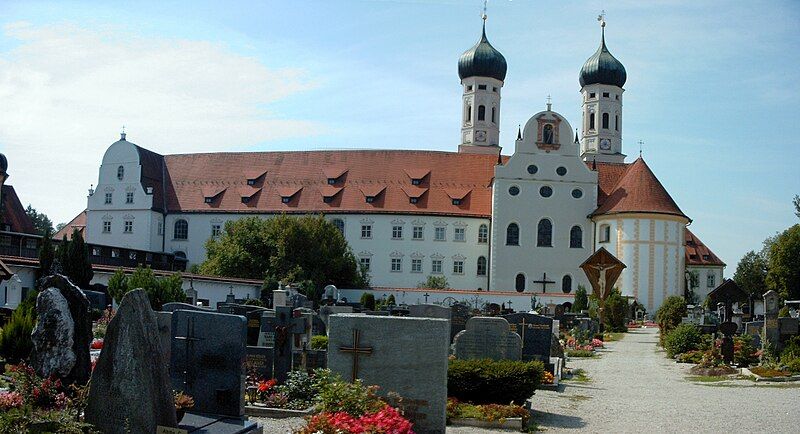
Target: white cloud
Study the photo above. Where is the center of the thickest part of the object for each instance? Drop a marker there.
(65, 91)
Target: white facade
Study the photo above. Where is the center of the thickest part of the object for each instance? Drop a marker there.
(708, 278)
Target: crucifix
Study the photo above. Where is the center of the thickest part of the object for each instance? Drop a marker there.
(189, 339)
(426, 297)
(544, 282)
(509, 304)
(356, 351)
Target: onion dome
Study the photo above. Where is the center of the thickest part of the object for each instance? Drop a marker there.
(482, 60)
(3, 163)
(603, 68)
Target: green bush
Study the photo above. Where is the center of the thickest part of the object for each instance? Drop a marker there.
(794, 365)
(744, 352)
(580, 353)
(15, 338)
(690, 357)
(319, 342)
(368, 301)
(354, 399)
(614, 313)
(682, 339)
(791, 350)
(484, 381)
(670, 315)
(784, 312)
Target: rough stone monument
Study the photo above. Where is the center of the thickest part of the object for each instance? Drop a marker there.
(53, 336)
(488, 338)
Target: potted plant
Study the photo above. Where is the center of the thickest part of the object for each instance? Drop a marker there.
(182, 403)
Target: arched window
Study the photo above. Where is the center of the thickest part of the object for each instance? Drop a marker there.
(181, 231)
(544, 234)
(481, 112)
(120, 172)
(591, 121)
(339, 223)
(481, 266)
(616, 122)
(469, 113)
(494, 110)
(566, 284)
(605, 120)
(512, 235)
(519, 282)
(483, 234)
(576, 237)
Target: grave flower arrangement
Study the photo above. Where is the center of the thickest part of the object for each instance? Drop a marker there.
(596, 343)
(298, 392)
(486, 412)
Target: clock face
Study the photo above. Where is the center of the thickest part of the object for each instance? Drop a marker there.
(480, 136)
(605, 144)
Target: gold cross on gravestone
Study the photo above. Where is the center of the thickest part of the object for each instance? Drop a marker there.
(356, 351)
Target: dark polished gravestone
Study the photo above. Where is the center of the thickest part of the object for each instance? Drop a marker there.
(258, 362)
(208, 360)
(310, 359)
(459, 314)
(536, 333)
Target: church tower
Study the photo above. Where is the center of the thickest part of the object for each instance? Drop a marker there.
(482, 70)
(602, 78)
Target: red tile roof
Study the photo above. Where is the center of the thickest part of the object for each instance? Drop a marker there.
(698, 253)
(79, 223)
(13, 213)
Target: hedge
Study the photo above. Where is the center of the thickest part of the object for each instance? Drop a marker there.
(485, 381)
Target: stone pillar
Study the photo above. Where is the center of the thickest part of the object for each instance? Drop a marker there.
(772, 331)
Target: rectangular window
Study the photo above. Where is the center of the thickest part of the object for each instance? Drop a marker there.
(416, 265)
(439, 233)
(711, 281)
(5, 241)
(605, 233)
(128, 227)
(366, 231)
(108, 199)
(605, 94)
(481, 87)
(216, 230)
(436, 266)
(107, 227)
(417, 233)
(494, 89)
(592, 95)
(460, 234)
(161, 228)
(397, 232)
(365, 263)
(129, 197)
(397, 265)
(469, 87)
(591, 121)
(31, 244)
(458, 267)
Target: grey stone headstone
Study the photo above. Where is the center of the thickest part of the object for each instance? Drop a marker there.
(771, 324)
(406, 355)
(53, 336)
(488, 338)
(259, 362)
(172, 307)
(535, 331)
(280, 297)
(429, 311)
(266, 337)
(326, 311)
(788, 326)
(208, 360)
(130, 389)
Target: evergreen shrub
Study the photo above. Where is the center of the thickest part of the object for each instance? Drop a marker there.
(682, 339)
(485, 381)
(15, 338)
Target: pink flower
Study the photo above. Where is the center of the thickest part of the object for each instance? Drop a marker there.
(9, 400)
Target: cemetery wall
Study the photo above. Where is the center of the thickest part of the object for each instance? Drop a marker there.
(520, 301)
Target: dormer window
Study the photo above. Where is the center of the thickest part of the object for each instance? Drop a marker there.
(327, 199)
(211, 193)
(372, 192)
(413, 199)
(209, 199)
(245, 199)
(370, 199)
(331, 181)
(456, 201)
(706, 257)
(457, 195)
(286, 199)
(252, 176)
(416, 181)
(288, 193)
(251, 182)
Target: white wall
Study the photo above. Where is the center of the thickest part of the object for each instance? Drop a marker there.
(519, 301)
(703, 272)
(11, 292)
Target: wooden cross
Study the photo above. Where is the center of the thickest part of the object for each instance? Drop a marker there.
(544, 282)
(356, 351)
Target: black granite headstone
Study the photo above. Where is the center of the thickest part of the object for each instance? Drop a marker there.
(259, 362)
(535, 331)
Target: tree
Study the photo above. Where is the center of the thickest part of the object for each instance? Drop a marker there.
(434, 282)
(391, 301)
(41, 222)
(287, 248)
(751, 274)
(670, 314)
(796, 203)
(75, 257)
(60, 226)
(159, 290)
(47, 255)
(783, 258)
(581, 302)
(614, 313)
(368, 301)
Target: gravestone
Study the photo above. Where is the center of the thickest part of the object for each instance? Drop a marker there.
(429, 311)
(405, 355)
(280, 297)
(253, 316)
(326, 311)
(173, 306)
(130, 391)
(287, 324)
(53, 336)
(459, 314)
(266, 338)
(535, 332)
(317, 326)
(164, 320)
(788, 326)
(258, 362)
(208, 360)
(771, 325)
(488, 338)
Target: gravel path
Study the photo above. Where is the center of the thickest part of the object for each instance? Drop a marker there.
(635, 388)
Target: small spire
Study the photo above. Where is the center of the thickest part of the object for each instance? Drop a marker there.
(519, 132)
(576, 136)
(122, 135)
(641, 143)
(602, 19)
(549, 102)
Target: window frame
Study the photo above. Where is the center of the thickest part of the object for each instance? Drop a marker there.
(436, 266)
(127, 227)
(184, 233)
(418, 230)
(544, 239)
(462, 238)
(437, 230)
(397, 232)
(396, 265)
(366, 231)
(512, 238)
(483, 234)
(481, 266)
(573, 237)
(129, 196)
(416, 265)
(458, 266)
(605, 233)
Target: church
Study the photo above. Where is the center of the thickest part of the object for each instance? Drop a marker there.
(487, 221)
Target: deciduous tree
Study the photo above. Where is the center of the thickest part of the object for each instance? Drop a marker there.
(41, 222)
(783, 259)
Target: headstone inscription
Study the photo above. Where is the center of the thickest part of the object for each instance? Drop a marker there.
(535, 332)
(405, 355)
(258, 362)
(266, 338)
(488, 338)
(208, 360)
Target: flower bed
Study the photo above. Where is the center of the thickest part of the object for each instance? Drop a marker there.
(298, 393)
(769, 373)
(580, 353)
(486, 416)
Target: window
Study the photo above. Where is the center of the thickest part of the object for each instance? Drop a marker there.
(129, 197)
(284, 199)
(108, 199)
(397, 232)
(5, 241)
(481, 266)
(31, 244)
(561, 171)
(546, 191)
(547, 134)
(413, 199)
(577, 193)
(494, 89)
(519, 282)
(128, 227)
(706, 257)
(106, 227)
(710, 281)
(592, 95)
(605, 94)
(95, 251)
(370, 199)
(544, 233)
(469, 113)
(616, 122)
(591, 121)
(115, 253)
(439, 233)
(216, 230)
(566, 284)
(576, 237)
(481, 87)
(132, 255)
(605, 121)
(160, 228)
(417, 233)
(246, 199)
(481, 112)
(512, 235)
(397, 265)
(532, 169)
(513, 190)
(251, 182)
(365, 263)
(616, 97)
(339, 223)
(494, 110)
(460, 234)
(181, 230)
(211, 200)
(366, 231)
(120, 172)
(331, 181)
(458, 267)
(469, 87)
(456, 201)
(436, 266)
(416, 265)
(483, 234)
(416, 181)
(605, 233)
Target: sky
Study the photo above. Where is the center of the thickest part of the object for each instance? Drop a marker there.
(711, 91)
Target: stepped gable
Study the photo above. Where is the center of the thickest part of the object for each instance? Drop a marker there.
(300, 182)
(13, 213)
(698, 253)
(638, 190)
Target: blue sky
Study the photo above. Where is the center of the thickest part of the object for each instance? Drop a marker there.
(710, 90)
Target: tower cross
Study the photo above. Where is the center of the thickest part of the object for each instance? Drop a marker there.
(483, 15)
(602, 18)
(641, 144)
(549, 102)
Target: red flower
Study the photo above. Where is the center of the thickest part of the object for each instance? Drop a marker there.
(97, 344)
(264, 386)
